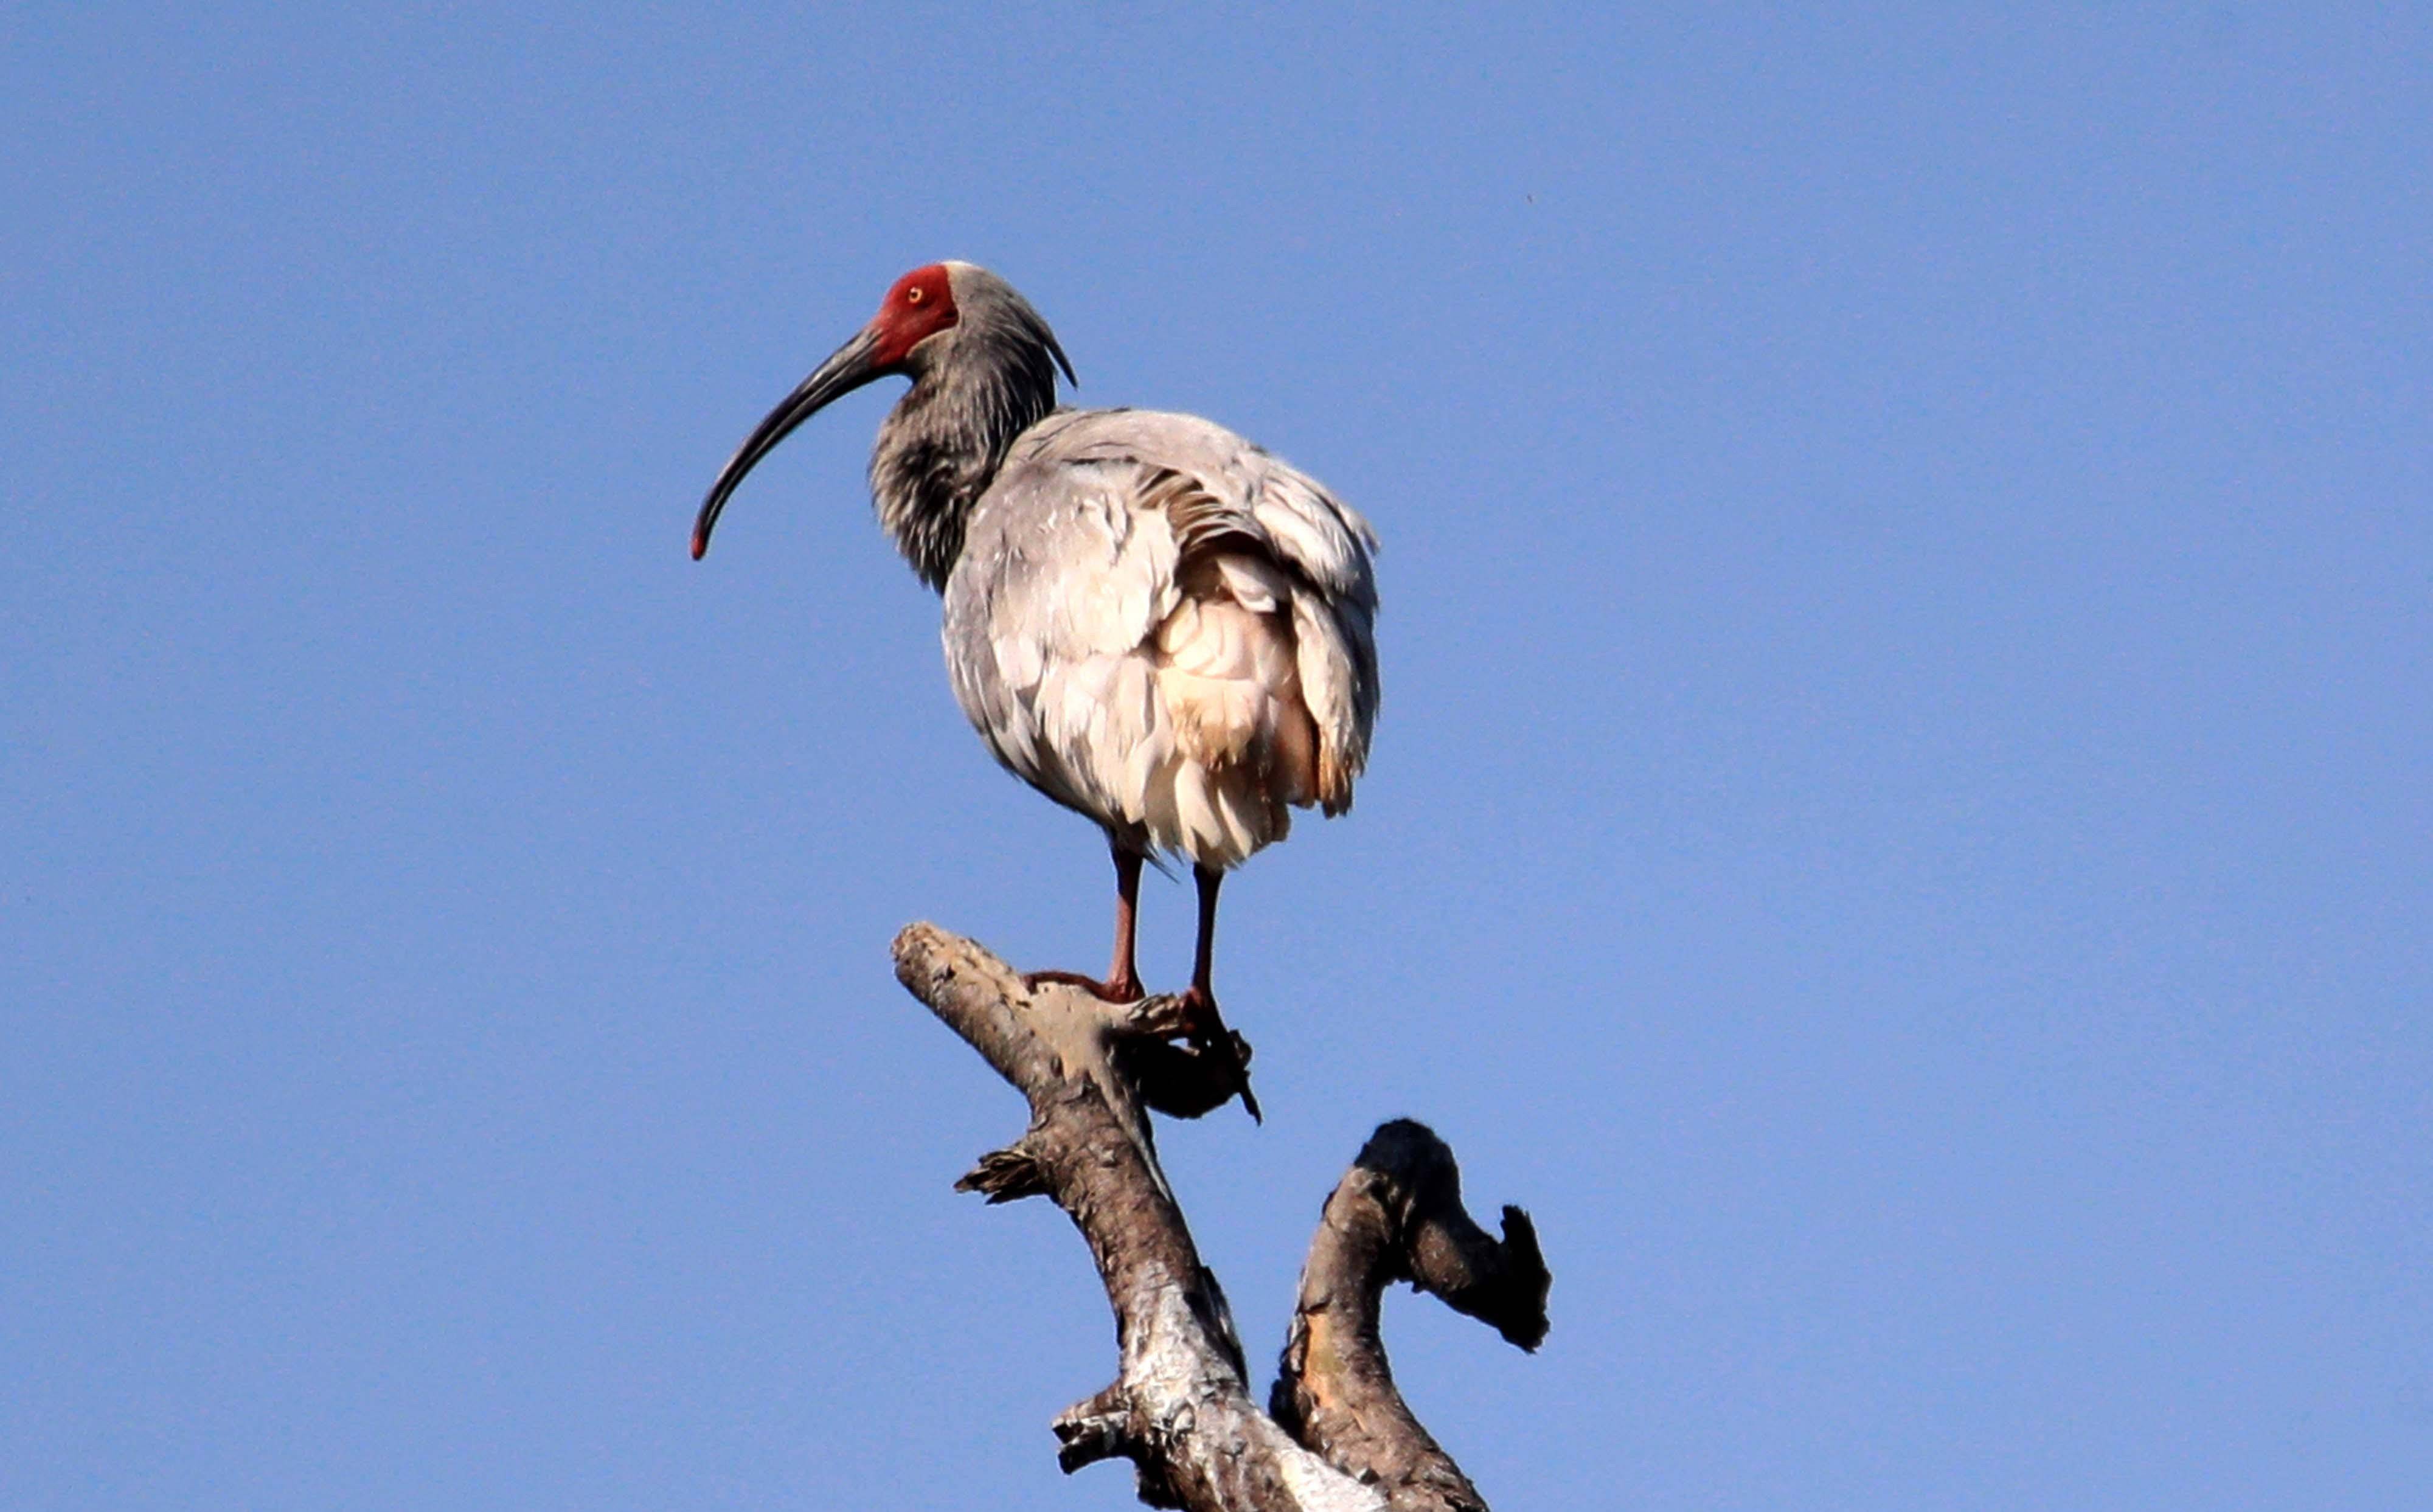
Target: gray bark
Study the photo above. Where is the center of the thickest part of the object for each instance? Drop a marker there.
(1342, 1439)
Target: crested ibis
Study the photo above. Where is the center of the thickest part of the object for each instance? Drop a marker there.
(1147, 619)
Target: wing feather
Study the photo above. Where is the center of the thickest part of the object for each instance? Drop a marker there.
(1129, 585)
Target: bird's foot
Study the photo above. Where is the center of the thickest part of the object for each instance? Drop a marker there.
(1195, 1017)
(1119, 990)
(1205, 1028)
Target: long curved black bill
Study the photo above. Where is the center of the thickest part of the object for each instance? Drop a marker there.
(847, 369)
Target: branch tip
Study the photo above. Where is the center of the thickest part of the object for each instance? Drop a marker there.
(1397, 1216)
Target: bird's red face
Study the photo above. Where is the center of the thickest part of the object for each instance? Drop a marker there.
(920, 305)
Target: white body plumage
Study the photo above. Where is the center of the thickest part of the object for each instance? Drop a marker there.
(1159, 625)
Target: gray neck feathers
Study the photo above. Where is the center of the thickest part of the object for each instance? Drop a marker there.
(979, 385)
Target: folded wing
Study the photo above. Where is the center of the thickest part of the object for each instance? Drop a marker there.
(1161, 626)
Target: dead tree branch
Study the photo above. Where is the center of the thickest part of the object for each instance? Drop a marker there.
(1397, 1216)
(1179, 1409)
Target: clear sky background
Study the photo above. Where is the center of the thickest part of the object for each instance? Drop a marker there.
(1902, 826)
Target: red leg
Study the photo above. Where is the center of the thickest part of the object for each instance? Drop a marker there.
(1123, 978)
(1208, 1031)
(1203, 954)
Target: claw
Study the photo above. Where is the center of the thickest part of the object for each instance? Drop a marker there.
(1207, 1031)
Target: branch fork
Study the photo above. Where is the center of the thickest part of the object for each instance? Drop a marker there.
(1337, 1437)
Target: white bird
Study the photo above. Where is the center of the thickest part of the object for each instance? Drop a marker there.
(1147, 619)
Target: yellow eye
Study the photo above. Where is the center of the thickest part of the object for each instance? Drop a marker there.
(912, 296)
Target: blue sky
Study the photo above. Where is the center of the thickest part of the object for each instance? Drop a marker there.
(1900, 828)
